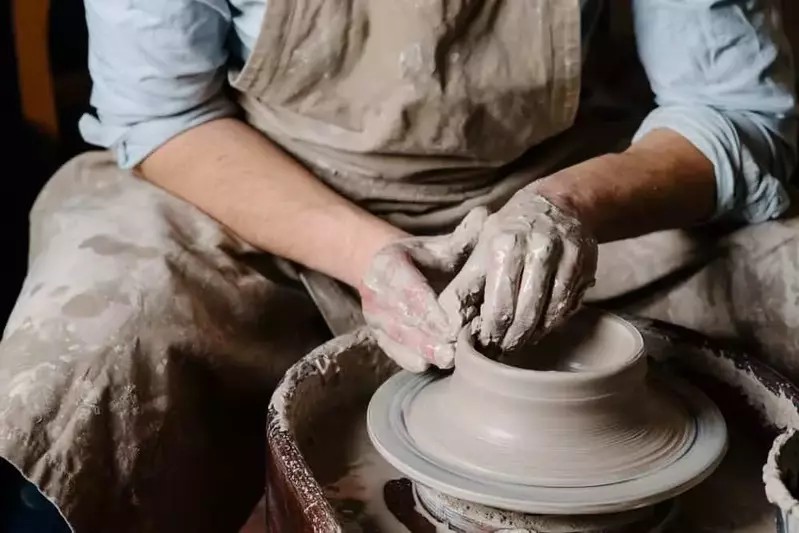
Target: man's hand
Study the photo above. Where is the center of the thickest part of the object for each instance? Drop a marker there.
(531, 266)
(399, 294)
(537, 255)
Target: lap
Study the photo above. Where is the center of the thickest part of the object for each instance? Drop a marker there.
(742, 286)
(136, 365)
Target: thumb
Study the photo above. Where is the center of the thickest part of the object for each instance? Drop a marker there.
(448, 253)
(402, 355)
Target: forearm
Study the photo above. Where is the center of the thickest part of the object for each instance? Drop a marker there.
(661, 182)
(237, 176)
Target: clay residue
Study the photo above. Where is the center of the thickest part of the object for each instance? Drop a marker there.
(110, 246)
(776, 407)
(469, 517)
(351, 472)
(527, 274)
(774, 474)
(304, 390)
(400, 500)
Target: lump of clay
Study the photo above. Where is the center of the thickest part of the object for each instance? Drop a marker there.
(580, 414)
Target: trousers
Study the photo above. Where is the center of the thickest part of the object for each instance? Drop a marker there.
(136, 367)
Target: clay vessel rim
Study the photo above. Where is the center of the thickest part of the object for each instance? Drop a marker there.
(480, 363)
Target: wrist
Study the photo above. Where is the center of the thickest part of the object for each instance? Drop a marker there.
(558, 189)
(367, 236)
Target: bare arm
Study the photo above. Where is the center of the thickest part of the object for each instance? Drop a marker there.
(241, 179)
(661, 182)
(536, 256)
(721, 143)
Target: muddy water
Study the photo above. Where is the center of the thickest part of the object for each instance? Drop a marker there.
(733, 499)
(353, 474)
(372, 497)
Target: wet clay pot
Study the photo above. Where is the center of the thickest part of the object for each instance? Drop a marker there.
(584, 415)
(574, 425)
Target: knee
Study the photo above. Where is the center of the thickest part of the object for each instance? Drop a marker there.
(86, 171)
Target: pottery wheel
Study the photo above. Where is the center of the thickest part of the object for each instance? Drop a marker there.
(598, 438)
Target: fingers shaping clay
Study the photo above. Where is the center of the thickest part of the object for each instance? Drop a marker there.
(575, 425)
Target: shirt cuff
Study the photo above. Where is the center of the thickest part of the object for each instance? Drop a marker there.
(741, 153)
(133, 143)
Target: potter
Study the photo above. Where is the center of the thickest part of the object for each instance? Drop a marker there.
(449, 163)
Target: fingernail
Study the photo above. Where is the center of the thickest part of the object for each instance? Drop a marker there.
(485, 333)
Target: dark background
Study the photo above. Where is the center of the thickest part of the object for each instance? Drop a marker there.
(12, 218)
(27, 158)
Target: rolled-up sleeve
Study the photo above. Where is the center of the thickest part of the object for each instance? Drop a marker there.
(722, 75)
(158, 69)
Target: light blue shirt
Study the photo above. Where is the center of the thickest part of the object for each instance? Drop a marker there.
(720, 70)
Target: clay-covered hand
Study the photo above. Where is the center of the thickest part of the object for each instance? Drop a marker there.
(399, 294)
(529, 271)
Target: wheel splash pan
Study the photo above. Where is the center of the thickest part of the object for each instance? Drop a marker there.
(343, 373)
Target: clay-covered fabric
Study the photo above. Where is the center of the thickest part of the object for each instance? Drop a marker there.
(413, 108)
(137, 364)
(740, 286)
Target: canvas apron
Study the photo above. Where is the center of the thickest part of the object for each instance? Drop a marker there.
(416, 115)
(136, 366)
